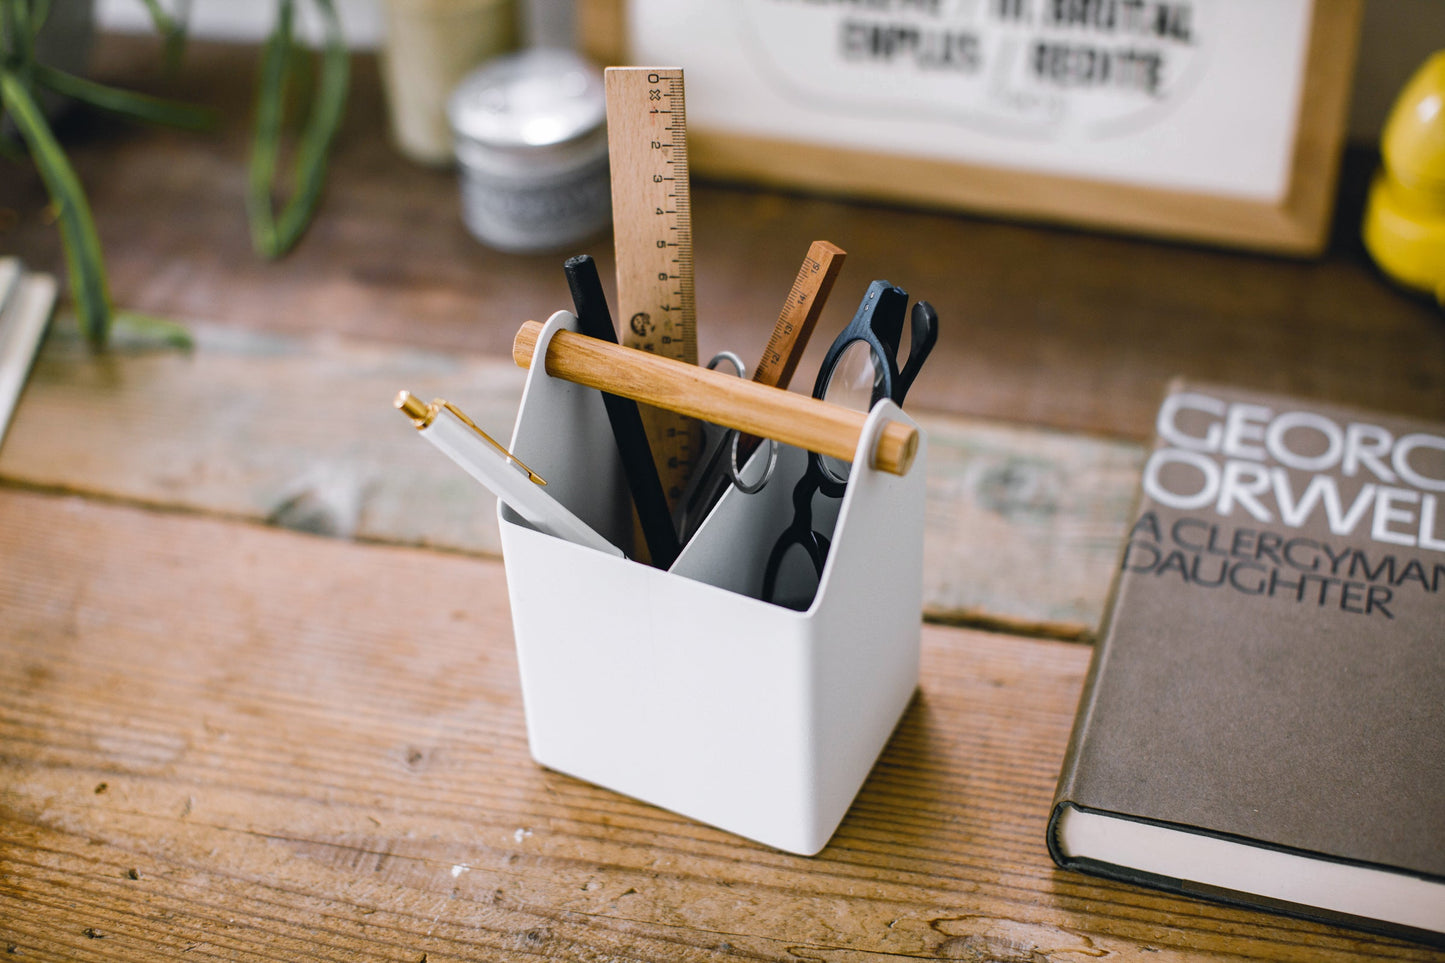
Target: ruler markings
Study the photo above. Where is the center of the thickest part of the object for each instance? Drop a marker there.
(795, 323)
(647, 141)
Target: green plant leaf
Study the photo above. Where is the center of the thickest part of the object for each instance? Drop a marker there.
(83, 257)
(171, 28)
(39, 11)
(266, 145)
(136, 330)
(19, 48)
(126, 102)
(273, 235)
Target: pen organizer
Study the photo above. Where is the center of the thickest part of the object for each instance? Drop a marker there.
(681, 687)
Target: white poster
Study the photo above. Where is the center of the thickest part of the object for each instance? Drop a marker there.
(1191, 95)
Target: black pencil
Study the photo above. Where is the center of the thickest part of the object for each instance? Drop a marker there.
(647, 495)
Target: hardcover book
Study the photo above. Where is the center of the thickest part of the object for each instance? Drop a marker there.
(1264, 718)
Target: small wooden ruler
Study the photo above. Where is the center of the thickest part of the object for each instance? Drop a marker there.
(652, 231)
(800, 314)
(795, 323)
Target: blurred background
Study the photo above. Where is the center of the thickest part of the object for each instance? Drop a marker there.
(1395, 38)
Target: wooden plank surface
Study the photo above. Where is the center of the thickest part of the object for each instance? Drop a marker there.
(1023, 525)
(223, 741)
(298, 432)
(1055, 328)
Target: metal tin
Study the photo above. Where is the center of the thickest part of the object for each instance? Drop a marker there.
(531, 145)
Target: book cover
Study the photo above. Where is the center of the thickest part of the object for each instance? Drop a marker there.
(1264, 719)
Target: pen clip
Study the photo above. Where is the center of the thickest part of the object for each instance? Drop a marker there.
(421, 415)
(511, 458)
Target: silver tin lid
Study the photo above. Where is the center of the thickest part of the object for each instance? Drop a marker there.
(540, 107)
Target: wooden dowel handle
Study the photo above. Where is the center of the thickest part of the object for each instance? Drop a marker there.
(732, 402)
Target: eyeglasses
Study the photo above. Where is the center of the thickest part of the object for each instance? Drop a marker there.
(859, 370)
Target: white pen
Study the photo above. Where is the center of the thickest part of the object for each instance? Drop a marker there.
(488, 462)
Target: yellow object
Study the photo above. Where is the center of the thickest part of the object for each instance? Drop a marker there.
(1404, 227)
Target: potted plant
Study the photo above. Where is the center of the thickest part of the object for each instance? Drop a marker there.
(28, 73)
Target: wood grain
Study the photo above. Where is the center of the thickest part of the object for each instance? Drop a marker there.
(1046, 327)
(790, 417)
(1024, 525)
(298, 432)
(652, 243)
(219, 740)
(652, 209)
(794, 327)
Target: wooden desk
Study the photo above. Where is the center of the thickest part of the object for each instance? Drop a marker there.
(223, 737)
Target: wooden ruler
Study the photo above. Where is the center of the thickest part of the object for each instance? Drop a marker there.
(652, 231)
(800, 314)
(795, 324)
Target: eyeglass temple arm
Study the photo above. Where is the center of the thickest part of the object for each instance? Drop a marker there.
(924, 337)
(887, 319)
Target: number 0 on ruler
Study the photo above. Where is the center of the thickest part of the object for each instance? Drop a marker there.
(652, 230)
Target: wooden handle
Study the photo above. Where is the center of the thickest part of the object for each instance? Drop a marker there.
(690, 389)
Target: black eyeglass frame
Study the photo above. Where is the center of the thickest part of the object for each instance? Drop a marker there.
(879, 323)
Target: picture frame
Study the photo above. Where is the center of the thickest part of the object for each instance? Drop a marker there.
(1223, 126)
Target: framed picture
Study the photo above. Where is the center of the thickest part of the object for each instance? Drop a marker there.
(1206, 120)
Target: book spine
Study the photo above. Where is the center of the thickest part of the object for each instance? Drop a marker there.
(1083, 716)
(1068, 773)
